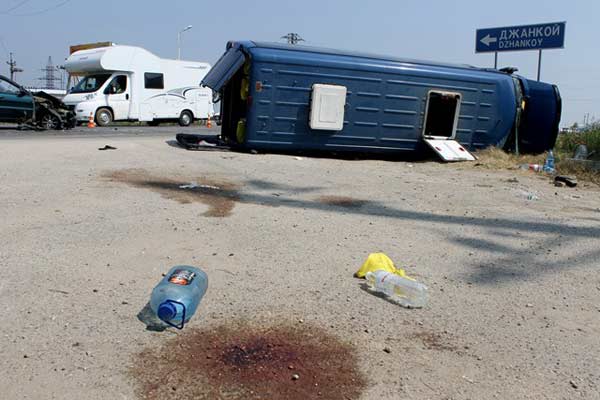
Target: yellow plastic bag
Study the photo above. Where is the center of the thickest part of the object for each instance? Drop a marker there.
(379, 261)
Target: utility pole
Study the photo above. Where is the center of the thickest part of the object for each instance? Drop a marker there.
(187, 28)
(61, 70)
(13, 67)
(293, 38)
(50, 76)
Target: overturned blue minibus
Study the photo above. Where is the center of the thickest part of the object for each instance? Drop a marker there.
(287, 98)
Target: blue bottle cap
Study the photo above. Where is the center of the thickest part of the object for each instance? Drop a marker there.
(166, 311)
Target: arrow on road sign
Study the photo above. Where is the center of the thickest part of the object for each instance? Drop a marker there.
(487, 40)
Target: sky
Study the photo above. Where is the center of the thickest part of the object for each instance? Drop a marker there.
(439, 30)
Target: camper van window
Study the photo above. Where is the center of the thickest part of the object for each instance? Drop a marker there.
(90, 83)
(441, 114)
(117, 86)
(154, 81)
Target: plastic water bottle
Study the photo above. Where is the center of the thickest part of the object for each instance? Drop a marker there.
(581, 152)
(549, 164)
(404, 291)
(532, 167)
(175, 299)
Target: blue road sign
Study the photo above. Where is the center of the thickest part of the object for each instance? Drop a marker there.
(524, 37)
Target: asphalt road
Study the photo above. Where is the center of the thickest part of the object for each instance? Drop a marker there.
(10, 132)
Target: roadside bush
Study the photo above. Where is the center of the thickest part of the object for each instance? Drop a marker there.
(565, 149)
(589, 171)
(568, 142)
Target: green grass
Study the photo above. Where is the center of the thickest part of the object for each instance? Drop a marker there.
(565, 149)
(496, 159)
(568, 142)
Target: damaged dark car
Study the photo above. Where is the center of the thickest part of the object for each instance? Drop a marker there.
(32, 110)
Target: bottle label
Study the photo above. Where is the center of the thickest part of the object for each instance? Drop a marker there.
(182, 277)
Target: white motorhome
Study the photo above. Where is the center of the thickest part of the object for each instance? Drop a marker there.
(126, 83)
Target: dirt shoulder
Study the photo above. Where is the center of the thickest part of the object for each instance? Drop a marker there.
(511, 263)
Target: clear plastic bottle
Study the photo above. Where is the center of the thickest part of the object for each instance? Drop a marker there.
(175, 299)
(532, 167)
(404, 291)
(549, 164)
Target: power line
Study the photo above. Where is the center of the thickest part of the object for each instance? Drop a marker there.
(22, 3)
(4, 46)
(43, 11)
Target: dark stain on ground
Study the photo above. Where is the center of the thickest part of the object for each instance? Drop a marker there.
(434, 341)
(342, 201)
(244, 362)
(219, 196)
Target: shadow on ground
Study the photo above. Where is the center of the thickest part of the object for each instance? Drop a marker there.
(221, 198)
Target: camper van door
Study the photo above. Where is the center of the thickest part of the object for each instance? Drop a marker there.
(118, 97)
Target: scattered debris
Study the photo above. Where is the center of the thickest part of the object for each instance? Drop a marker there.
(58, 291)
(531, 196)
(549, 166)
(295, 377)
(581, 152)
(532, 167)
(107, 147)
(574, 384)
(387, 350)
(176, 297)
(201, 142)
(512, 180)
(570, 181)
(383, 277)
(377, 262)
(195, 185)
(402, 290)
(298, 158)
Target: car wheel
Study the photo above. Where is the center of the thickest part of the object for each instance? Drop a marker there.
(186, 118)
(49, 122)
(104, 117)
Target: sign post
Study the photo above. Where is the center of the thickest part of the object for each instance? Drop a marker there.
(539, 65)
(522, 37)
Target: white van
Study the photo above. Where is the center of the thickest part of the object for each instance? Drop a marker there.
(126, 83)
